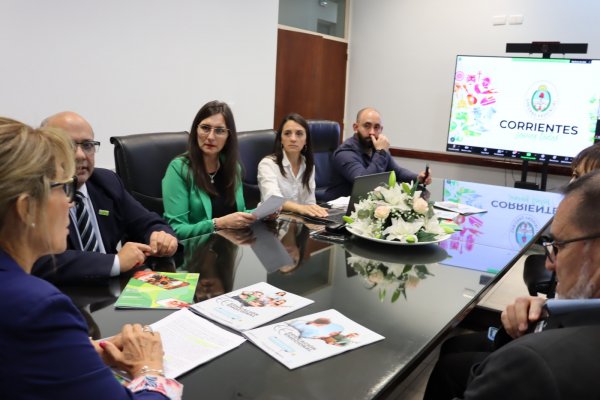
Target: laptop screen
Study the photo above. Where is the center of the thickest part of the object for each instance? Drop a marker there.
(363, 185)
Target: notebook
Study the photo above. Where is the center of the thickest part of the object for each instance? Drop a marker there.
(362, 185)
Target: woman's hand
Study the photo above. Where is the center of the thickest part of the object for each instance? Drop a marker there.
(139, 348)
(312, 210)
(236, 220)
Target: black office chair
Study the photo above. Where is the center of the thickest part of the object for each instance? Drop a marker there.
(141, 161)
(537, 278)
(325, 138)
(253, 146)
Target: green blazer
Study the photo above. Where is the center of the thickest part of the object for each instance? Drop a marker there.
(187, 208)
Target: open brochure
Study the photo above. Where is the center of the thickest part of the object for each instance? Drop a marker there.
(304, 340)
(152, 289)
(458, 207)
(190, 340)
(251, 306)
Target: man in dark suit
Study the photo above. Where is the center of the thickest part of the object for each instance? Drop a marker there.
(104, 215)
(556, 363)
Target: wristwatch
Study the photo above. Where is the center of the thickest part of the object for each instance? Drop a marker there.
(380, 151)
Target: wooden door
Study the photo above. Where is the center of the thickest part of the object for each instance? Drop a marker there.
(311, 76)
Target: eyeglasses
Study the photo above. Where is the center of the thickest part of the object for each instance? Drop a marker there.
(552, 246)
(68, 187)
(205, 130)
(88, 146)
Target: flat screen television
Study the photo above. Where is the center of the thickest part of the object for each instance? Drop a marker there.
(535, 109)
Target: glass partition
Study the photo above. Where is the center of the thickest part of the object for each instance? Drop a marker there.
(327, 17)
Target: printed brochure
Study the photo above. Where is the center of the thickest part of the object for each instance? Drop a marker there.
(150, 289)
(304, 340)
(251, 306)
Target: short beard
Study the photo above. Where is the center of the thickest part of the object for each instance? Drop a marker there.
(366, 143)
(585, 286)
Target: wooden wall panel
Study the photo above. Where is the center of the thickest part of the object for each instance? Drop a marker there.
(310, 77)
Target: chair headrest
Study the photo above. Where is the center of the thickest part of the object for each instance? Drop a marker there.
(564, 313)
(324, 135)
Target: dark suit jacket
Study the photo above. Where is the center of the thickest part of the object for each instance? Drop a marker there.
(44, 346)
(126, 218)
(553, 364)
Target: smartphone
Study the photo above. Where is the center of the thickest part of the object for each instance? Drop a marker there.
(426, 175)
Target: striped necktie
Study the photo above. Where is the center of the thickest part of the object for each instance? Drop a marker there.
(89, 241)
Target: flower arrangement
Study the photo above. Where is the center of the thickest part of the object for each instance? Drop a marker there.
(388, 276)
(396, 212)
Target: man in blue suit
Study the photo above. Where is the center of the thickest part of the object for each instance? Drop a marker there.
(112, 214)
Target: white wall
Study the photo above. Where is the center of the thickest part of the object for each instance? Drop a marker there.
(133, 66)
(402, 55)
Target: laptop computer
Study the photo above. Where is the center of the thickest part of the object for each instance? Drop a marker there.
(361, 186)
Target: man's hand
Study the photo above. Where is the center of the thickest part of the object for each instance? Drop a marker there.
(162, 244)
(424, 178)
(133, 254)
(524, 311)
(381, 142)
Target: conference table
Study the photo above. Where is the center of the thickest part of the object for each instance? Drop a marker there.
(414, 310)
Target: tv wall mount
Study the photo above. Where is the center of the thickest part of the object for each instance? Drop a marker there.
(547, 49)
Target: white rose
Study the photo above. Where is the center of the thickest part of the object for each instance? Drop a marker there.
(382, 212)
(420, 206)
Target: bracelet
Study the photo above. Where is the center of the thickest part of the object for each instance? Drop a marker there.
(214, 221)
(147, 370)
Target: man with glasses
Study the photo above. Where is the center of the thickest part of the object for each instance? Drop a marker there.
(366, 153)
(104, 214)
(556, 363)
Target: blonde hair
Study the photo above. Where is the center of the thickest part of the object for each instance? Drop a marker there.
(30, 159)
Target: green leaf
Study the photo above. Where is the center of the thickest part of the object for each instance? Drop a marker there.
(426, 236)
(422, 271)
(347, 219)
(396, 295)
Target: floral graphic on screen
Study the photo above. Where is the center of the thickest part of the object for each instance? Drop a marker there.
(472, 104)
(472, 225)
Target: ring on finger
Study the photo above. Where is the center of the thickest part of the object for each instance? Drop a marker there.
(147, 328)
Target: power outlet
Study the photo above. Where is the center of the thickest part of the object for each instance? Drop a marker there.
(516, 19)
(499, 20)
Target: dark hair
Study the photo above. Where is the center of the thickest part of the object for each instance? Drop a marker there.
(228, 157)
(588, 159)
(586, 190)
(306, 151)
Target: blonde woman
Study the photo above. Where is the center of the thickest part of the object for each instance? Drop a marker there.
(46, 352)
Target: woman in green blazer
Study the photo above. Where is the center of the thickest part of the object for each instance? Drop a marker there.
(202, 189)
